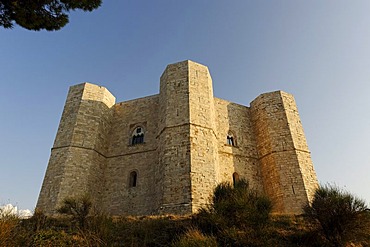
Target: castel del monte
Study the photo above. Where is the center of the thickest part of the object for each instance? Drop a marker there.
(165, 153)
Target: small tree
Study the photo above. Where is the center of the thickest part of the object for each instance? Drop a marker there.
(341, 216)
(79, 208)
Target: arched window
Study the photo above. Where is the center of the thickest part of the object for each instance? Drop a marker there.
(235, 178)
(133, 179)
(137, 136)
(230, 139)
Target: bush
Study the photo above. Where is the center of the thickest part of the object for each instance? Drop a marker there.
(8, 223)
(238, 206)
(342, 218)
(237, 216)
(79, 208)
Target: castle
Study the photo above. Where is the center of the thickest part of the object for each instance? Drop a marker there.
(165, 153)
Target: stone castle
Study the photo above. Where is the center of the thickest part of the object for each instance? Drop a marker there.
(165, 153)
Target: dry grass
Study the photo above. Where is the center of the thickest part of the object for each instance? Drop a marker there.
(195, 238)
(8, 225)
(166, 230)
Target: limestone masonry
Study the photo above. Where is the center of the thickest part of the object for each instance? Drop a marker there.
(165, 153)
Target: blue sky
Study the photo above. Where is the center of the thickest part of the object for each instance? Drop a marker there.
(317, 50)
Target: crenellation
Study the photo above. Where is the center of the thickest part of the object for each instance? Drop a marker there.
(165, 153)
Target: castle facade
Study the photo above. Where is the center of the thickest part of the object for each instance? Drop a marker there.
(166, 153)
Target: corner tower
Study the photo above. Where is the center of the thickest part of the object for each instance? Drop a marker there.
(79, 152)
(287, 172)
(187, 171)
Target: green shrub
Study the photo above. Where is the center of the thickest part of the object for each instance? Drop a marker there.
(78, 208)
(236, 206)
(341, 217)
(237, 216)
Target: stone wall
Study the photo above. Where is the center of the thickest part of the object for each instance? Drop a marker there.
(173, 173)
(123, 158)
(185, 153)
(283, 153)
(204, 168)
(241, 158)
(78, 157)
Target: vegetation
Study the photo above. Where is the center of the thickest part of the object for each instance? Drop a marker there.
(341, 217)
(236, 212)
(239, 205)
(195, 238)
(41, 14)
(8, 222)
(237, 216)
(78, 208)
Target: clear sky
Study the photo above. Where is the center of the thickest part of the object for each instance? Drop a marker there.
(317, 50)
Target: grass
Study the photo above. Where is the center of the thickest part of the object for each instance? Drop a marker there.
(175, 231)
(237, 216)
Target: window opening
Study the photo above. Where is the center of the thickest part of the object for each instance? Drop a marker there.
(133, 179)
(231, 140)
(137, 136)
(235, 178)
(293, 189)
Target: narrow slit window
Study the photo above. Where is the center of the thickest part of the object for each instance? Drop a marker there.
(133, 179)
(235, 178)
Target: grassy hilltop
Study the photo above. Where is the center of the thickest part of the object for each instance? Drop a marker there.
(237, 216)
